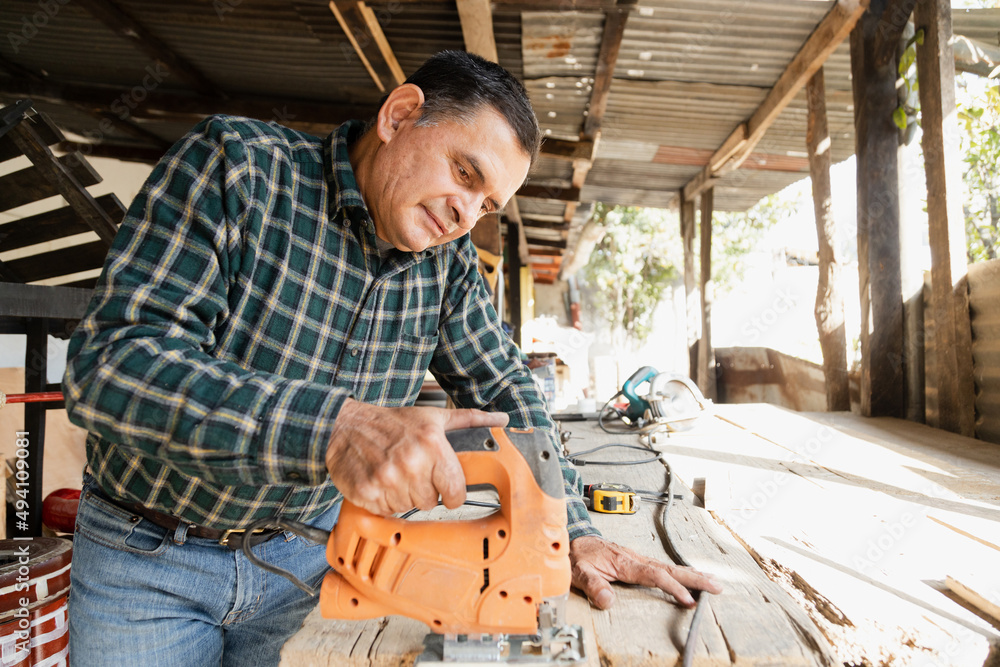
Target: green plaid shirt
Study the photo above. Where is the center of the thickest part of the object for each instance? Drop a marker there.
(244, 298)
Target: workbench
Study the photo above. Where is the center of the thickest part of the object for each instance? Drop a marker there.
(838, 539)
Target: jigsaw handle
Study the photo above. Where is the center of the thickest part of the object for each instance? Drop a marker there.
(480, 575)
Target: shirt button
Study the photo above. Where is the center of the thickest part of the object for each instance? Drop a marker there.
(294, 475)
(347, 223)
(355, 352)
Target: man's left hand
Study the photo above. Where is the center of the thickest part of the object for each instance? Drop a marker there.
(597, 562)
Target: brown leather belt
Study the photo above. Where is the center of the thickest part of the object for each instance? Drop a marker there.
(228, 538)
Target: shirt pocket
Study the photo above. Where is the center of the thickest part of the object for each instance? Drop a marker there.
(401, 369)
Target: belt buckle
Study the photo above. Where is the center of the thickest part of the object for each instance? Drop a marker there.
(224, 540)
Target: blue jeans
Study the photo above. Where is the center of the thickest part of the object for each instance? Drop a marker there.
(142, 595)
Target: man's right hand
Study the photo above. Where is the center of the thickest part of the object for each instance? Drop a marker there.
(389, 460)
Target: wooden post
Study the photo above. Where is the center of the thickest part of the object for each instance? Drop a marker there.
(949, 291)
(829, 302)
(706, 356)
(29, 522)
(514, 284)
(879, 275)
(691, 309)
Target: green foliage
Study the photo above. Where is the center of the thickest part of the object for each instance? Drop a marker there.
(631, 268)
(979, 119)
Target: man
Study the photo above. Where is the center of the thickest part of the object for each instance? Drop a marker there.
(265, 318)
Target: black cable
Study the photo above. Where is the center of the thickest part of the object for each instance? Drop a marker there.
(671, 547)
(576, 460)
(475, 503)
(608, 407)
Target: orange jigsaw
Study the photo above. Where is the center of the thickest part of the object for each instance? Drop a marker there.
(485, 575)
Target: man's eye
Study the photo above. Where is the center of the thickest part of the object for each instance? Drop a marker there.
(463, 173)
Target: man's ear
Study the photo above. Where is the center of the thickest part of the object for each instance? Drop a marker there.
(403, 103)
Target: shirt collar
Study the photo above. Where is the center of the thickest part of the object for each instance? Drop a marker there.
(340, 174)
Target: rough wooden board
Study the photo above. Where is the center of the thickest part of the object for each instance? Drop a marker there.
(974, 598)
(850, 546)
(756, 620)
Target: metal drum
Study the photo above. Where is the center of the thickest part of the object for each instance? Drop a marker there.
(34, 588)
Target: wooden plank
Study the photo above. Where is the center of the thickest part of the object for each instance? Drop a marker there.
(829, 310)
(538, 223)
(27, 185)
(706, 357)
(44, 302)
(476, 17)
(127, 27)
(611, 41)
(880, 274)
(943, 168)
(563, 149)
(318, 118)
(47, 132)
(824, 40)
(61, 262)
(975, 599)
(780, 632)
(35, 371)
(65, 182)
(517, 247)
(55, 224)
(558, 192)
(842, 522)
(546, 243)
(130, 153)
(365, 34)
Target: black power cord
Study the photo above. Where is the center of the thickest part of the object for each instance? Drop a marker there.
(671, 547)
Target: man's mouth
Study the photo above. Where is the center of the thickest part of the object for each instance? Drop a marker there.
(435, 223)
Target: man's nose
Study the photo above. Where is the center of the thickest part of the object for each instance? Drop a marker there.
(465, 210)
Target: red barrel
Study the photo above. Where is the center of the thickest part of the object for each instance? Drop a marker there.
(34, 587)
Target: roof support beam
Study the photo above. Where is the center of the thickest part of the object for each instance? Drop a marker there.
(318, 118)
(113, 16)
(476, 17)
(611, 42)
(362, 28)
(829, 33)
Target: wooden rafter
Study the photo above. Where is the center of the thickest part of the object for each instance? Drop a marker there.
(64, 181)
(611, 41)
(126, 26)
(476, 17)
(318, 118)
(829, 33)
(362, 28)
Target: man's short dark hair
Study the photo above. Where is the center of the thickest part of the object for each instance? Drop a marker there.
(458, 84)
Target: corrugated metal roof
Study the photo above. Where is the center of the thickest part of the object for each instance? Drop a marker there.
(716, 41)
(688, 72)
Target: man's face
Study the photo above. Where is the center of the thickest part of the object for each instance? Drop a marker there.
(430, 184)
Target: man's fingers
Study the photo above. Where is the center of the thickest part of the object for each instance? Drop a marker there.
(594, 585)
(692, 578)
(449, 479)
(455, 419)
